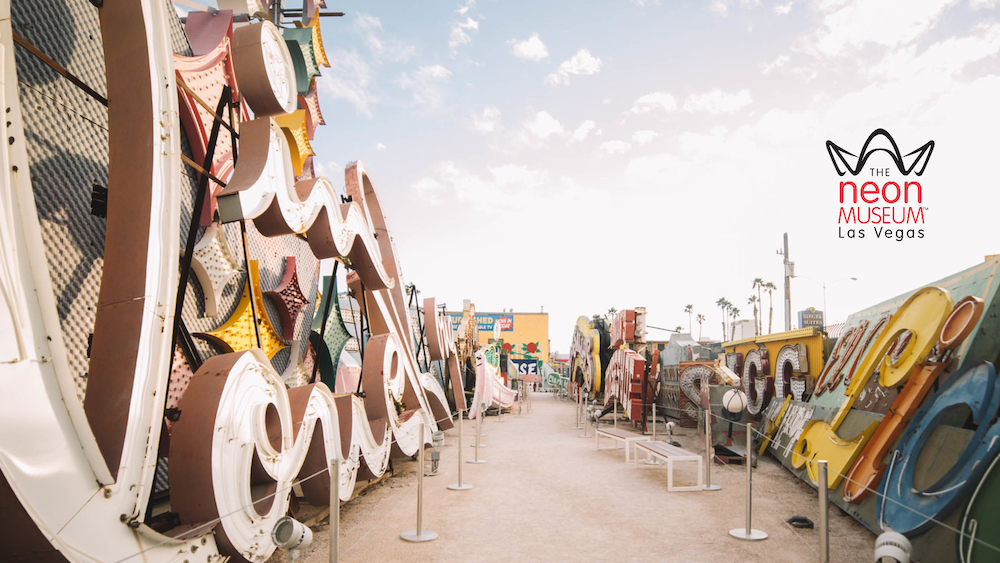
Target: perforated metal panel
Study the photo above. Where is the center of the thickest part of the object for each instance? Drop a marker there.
(67, 143)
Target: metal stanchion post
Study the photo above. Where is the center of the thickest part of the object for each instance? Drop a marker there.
(749, 533)
(479, 427)
(616, 413)
(579, 397)
(420, 534)
(335, 509)
(824, 515)
(709, 458)
(479, 433)
(584, 419)
(650, 460)
(460, 486)
(597, 426)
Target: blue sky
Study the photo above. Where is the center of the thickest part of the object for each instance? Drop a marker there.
(578, 156)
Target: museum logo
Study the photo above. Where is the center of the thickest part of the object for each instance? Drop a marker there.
(876, 195)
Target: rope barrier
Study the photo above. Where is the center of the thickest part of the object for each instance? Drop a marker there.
(777, 445)
(767, 502)
(931, 519)
(211, 523)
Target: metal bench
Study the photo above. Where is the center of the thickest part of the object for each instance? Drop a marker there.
(670, 454)
(623, 436)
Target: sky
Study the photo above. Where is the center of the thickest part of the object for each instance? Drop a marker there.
(576, 156)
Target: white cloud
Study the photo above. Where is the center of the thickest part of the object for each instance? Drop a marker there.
(581, 64)
(645, 2)
(805, 73)
(429, 189)
(502, 185)
(488, 121)
(656, 101)
(350, 79)
(382, 46)
(717, 102)
(783, 9)
(644, 136)
(328, 169)
(459, 33)
(512, 175)
(465, 9)
(379, 147)
(424, 85)
(543, 125)
(849, 27)
(606, 101)
(777, 63)
(583, 131)
(983, 4)
(531, 48)
(721, 7)
(616, 147)
(939, 63)
(434, 71)
(646, 171)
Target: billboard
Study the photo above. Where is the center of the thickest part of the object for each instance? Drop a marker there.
(526, 367)
(485, 322)
(810, 317)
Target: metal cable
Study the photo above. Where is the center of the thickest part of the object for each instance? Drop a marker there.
(879, 494)
(211, 523)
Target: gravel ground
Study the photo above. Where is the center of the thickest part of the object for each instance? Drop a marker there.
(545, 494)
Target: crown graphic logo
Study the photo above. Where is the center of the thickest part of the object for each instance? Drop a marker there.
(920, 157)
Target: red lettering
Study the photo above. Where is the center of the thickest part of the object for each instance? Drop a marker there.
(906, 192)
(847, 217)
(865, 192)
(854, 189)
(885, 196)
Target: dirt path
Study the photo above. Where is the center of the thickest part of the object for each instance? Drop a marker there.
(546, 494)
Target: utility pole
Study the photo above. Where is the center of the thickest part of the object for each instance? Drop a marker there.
(789, 274)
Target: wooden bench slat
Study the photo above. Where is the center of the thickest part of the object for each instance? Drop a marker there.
(665, 449)
(613, 433)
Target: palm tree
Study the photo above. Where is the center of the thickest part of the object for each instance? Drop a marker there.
(770, 288)
(679, 329)
(758, 284)
(700, 318)
(724, 305)
(688, 309)
(753, 301)
(732, 326)
(610, 315)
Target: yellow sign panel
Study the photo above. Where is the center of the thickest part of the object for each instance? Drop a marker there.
(905, 342)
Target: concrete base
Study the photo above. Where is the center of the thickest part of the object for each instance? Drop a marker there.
(741, 534)
(457, 487)
(425, 535)
(475, 461)
(712, 488)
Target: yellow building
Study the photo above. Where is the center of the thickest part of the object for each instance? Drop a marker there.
(525, 335)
